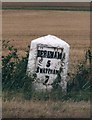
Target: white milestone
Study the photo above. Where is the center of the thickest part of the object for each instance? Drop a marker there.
(48, 60)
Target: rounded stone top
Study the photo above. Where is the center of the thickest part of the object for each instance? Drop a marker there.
(51, 41)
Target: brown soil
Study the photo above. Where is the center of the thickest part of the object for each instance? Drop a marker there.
(20, 27)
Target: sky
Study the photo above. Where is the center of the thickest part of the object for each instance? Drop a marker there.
(45, 0)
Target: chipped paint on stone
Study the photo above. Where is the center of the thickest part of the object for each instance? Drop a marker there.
(48, 56)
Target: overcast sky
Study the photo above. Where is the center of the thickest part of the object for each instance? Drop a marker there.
(45, 0)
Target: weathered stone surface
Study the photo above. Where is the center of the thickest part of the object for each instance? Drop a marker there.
(48, 59)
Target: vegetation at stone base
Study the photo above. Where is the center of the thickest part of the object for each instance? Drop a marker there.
(81, 79)
(15, 80)
(14, 77)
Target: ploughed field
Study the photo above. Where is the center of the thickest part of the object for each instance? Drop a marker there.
(20, 27)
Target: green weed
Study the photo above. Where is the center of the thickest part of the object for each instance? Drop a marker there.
(15, 80)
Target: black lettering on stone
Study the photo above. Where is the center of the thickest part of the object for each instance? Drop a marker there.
(57, 71)
(54, 72)
(51, 71)
(48, 63)
(48, 71)
(51, 54)
(42, 53)
(48, 55)
(59, 55)
(64, 56)
(45, 70)
(45, 53)
(46, 80)
(55, 55)
(38, 53)
(41, 70)
(37, 71)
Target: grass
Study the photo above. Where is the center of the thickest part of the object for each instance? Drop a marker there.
(64, 8)
(46, 109)
(21, 100)
(20, 27)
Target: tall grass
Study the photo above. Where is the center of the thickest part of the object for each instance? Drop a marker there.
(14, 77)
(15, 80)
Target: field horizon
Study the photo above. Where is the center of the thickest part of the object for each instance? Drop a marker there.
(83, 6)
(20, 27)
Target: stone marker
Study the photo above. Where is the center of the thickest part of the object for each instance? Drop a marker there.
(48, 59)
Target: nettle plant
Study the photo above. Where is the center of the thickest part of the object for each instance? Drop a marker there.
(81, 80)
(14, 77)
